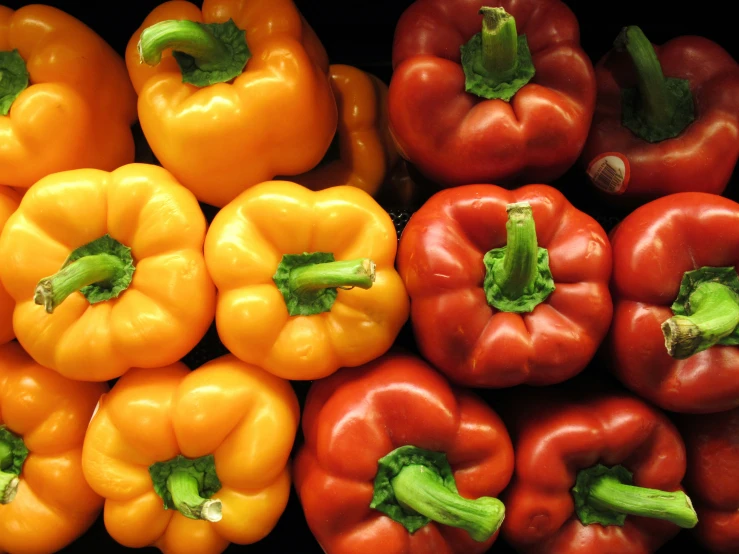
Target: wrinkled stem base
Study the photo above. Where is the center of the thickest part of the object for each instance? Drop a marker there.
(185, 491)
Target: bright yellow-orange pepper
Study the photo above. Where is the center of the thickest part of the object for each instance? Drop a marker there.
(306, 280)
(213, 443)
(365, 146)
(107, 271)
(255, 105)
(8, 204)
(66, 101)
(45, 502)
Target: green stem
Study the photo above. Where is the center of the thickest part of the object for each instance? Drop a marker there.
(499, 43)
(714, 315)
(656, 104)
(185, 490)
(6, 455)
(519, 268)
(183, 36)
(331, 275)
(418, 488)
(100, 269)
(8, 487)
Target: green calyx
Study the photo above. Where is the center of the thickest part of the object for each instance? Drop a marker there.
(13, 79)
(13, 454)
(309, 282)
(497, 62)
(660, 107)
(706, 312)
(517, 277)
(414, 486)
(100, 270)
(186, 485)
(606, 496)
(207, 53)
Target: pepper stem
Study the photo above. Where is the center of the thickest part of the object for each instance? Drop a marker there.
(714, 315)
(519, 268)
(185, 490)
(350, 273)
(183, 36)
(8, 481)
(100, 269)
(499, 43)
(6, 454)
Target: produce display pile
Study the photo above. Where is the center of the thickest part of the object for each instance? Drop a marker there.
(255, 300)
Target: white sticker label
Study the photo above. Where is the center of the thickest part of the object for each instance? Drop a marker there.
(610, 172)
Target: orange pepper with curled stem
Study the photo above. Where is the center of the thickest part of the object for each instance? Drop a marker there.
(45, 502)
(233, 94)
(66, 101)
(366, 150)
(190, 461)
(8, 204)
(107, 271)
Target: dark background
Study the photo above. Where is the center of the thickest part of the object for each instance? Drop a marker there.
(360, 33)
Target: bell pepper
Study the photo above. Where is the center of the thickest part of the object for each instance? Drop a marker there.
(8, 204)
(676, 302)
(485, 94)
(306, 279)
(233, 94)
(107, 271)
(45, 503)
(666, 118)
(712, 443)
(522, 272)
(365, 148)
(595, 472)
(66, 101)
(192, 461)
(395, 460)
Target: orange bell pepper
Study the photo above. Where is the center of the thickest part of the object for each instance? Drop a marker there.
(132, 291)
(8, 204)
(245, 95)
(192, 461)
(66, 101)
(366, 150)
(306, 280)
(45, 502)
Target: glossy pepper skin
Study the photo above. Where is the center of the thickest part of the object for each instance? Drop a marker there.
(161, 310)
(712, 443)
(275, 118)
(9, 200)
(394, 401)
(247, 245)
(653, 248)
(365, 147)
(243, 417)
(54, 505)
(456, 137)
(702, 155)
(573, 431)
(77, 110)
(442, 260)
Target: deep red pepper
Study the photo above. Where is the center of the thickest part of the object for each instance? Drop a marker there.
(673, 339)
(499, 131)
(575, 457)
(379, 413)
(682, 99)
(712, 442)
(534, 312)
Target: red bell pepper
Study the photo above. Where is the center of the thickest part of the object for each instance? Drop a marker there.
(484, 94)
(493, 271)
(595, 472)
(666, 119)
(394, 433)
(676, 302)
(712, 442)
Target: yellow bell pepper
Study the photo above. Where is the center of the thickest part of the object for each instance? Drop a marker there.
(192, 461)
(107, 271)
(66, 101)
(306, 280)
(8, 204)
